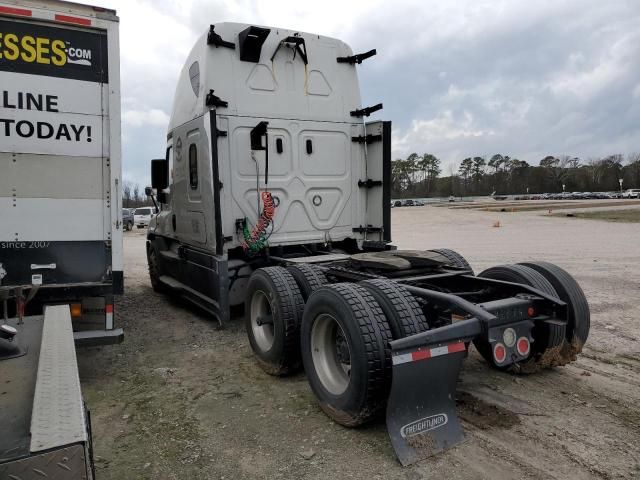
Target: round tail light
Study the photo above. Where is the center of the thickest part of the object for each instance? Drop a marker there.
(523, 346)
(499, 353)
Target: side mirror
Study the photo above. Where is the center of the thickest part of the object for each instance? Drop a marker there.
(148, 191)
(162, 197)
(159, 174)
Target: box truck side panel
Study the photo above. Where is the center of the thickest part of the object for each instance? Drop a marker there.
(56, 154)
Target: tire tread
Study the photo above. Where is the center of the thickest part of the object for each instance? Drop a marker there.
(454, 257)
(403, 313)
(308, 278)
(291, 306)
(374, 330)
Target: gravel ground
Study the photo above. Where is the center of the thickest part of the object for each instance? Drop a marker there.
(183, 399)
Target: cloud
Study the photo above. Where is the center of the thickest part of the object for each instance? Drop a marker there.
(457, 79)
(446, 127)
(139, 118)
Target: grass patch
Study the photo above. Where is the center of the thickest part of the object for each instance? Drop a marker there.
(625, 216)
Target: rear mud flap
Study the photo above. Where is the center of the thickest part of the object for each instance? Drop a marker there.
(421, 411)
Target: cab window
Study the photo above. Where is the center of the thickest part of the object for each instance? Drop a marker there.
(193, 166)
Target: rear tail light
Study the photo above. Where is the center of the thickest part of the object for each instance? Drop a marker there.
(531, 312)
(76, 310)
(499, 353)
(523, 346)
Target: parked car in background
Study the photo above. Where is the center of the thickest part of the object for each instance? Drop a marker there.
(127, 219)
(397, 203)
(142, 216)
(418, 203)
(408, 203)
(631, 193)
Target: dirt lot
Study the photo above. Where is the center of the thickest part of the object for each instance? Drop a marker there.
(182, 399)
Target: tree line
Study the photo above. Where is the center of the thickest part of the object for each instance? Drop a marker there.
(420, 175)
(133, 195)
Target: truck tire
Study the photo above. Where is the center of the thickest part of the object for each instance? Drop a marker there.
(569, 292)
(154, 272)
(454, 257)
(346, 354)
(273, 311)
(403, 313)
(549, 337)
(308, 277)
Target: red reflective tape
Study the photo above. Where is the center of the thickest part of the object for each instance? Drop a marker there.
(108, 309)
(456, 347)
(76, 20)
(420, 355)
(16, 11)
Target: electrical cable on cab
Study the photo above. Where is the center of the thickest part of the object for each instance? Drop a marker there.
(256, 239)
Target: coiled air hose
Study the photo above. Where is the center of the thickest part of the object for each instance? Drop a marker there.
(256, 239)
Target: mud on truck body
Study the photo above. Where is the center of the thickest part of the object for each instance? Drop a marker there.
(274, 194)
(60, 226)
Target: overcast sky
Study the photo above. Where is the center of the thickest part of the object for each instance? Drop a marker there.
(457, 79)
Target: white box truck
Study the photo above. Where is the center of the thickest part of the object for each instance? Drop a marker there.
(60, 225)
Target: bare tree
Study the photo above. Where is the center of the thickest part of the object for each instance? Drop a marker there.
(126, 193)
(597, 168)
(570, 162)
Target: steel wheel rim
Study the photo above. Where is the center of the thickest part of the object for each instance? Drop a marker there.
(261, 309)
(331, 354)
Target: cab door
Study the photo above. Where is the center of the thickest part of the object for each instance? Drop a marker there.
(191, 180)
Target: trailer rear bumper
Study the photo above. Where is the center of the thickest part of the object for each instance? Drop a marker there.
(94, 338)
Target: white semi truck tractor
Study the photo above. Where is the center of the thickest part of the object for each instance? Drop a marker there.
(60, 226)
(274, 194)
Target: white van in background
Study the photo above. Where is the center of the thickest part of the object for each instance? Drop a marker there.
(142, 216)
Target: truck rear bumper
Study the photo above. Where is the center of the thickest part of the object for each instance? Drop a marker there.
(92, 338)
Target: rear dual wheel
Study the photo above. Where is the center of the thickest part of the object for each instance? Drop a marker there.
(555, 344)
(454, 258)
(568, 290)
(402, 311)
(308, 277)
(345, 351)
(344, 335)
